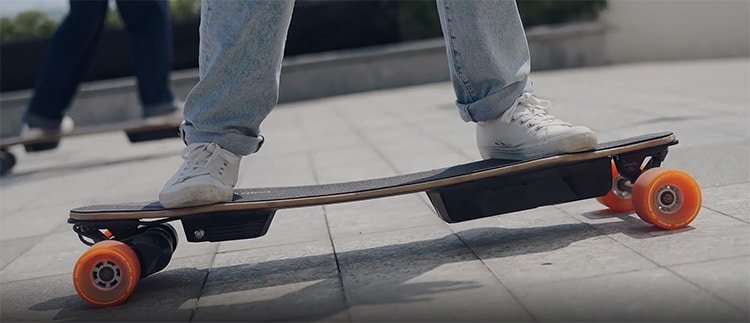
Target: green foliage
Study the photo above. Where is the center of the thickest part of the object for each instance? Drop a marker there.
(27, 24)
(537, 12)
(35, 24)
(419, 18)
(113, 20)
(184, 10)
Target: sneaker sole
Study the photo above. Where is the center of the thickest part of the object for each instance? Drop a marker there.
(194, 196)
(568, 144)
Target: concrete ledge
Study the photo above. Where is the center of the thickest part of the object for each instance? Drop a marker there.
(327, 74)
(315, 76)
(567, 46)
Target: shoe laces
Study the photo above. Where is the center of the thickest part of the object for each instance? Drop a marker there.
(532, 112)
(203, 159)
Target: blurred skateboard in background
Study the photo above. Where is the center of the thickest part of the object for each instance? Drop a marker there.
(136, 131)
(133, 240)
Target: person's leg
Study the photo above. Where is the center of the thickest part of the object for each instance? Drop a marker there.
(70, 53)
(241, 48)
(242, 44)
(148, 24)
(487, 54)
(489, 66)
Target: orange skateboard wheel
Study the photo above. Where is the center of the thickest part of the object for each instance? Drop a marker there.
(618, 199)
(106, 274)
(667, 198)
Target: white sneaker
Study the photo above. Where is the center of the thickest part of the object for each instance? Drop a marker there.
(29, 133)
(207, 176)
(527, 130)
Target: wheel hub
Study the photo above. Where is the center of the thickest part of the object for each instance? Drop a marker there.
(668, 199)
(106, 275)
(622, 187)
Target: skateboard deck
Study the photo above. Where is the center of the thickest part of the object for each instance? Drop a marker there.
(136, 131)
(135, 239)
(299, 196)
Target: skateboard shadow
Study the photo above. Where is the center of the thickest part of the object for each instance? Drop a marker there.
(312, 287)
(636, 228)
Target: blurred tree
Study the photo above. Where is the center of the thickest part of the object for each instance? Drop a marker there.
(419, 19)
(35, 24)
(538, 12)
(27, 24)
(113, 20)
(184, 10)
(7, 30)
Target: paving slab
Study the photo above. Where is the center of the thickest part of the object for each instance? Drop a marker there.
(379, 215)
(12, 249)
(55, 254)
(91, 179)
(31, 222)
(730, 200)
(710, 236)
(728, 279)
(280, 283)
(544, 246)
(166, 296)
(420, 274)
(651, 295)
(713, 165)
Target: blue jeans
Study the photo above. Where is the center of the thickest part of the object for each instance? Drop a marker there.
(73, 46)
(242, 44)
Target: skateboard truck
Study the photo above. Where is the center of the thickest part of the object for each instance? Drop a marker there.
(221, 226)
(122, 229)
(628, 167)
(153, 242)
(633, 164)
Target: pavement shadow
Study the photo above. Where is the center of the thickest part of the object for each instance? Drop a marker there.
(634, 228)
(157, 299)
(310, 287)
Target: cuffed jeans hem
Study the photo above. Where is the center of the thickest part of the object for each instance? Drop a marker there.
(494, 105)
(238, 144)
(35, 121)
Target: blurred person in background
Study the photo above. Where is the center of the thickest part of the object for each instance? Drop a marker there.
(72, 50)
(241, 49)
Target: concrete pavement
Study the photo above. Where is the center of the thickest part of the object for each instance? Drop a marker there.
(392, 259)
